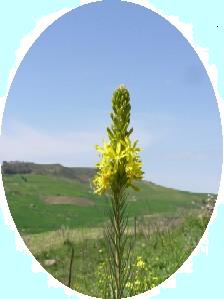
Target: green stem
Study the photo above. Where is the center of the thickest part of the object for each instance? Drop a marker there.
(117, 240)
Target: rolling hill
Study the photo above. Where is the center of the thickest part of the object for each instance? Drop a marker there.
(45, 197)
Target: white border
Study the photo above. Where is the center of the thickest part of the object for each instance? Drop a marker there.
(187, 32)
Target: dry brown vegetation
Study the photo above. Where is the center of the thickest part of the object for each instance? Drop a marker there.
(79, 201)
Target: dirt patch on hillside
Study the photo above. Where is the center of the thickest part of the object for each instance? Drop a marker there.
(79, 201)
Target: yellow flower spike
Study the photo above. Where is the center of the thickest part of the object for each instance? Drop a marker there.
(118, 168)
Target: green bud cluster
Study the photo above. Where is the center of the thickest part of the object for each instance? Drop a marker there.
(121, 115)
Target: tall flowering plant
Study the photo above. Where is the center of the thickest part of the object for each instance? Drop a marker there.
(120, 166)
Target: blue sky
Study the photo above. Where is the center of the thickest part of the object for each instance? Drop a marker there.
(59, 103)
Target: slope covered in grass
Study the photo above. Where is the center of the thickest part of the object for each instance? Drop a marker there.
(28, 198)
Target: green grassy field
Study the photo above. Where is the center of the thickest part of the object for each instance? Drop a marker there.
(52, 204)
(26, 196)
(161, 254)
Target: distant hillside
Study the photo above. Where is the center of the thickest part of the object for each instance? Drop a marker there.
(44, 197)
(81, 174)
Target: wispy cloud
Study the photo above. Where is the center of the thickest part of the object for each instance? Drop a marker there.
(22, 142)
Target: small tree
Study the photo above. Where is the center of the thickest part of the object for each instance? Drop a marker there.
(120, 165)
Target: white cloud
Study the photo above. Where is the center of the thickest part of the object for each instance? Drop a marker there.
(72, 148)
(22, 142)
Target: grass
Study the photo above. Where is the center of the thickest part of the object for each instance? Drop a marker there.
(162, 253)
(55, 239)
(32, 215)
(165, 222)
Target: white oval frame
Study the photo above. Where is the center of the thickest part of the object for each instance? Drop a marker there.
(186, 30)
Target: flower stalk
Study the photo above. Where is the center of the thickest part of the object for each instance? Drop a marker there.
(119, 167)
